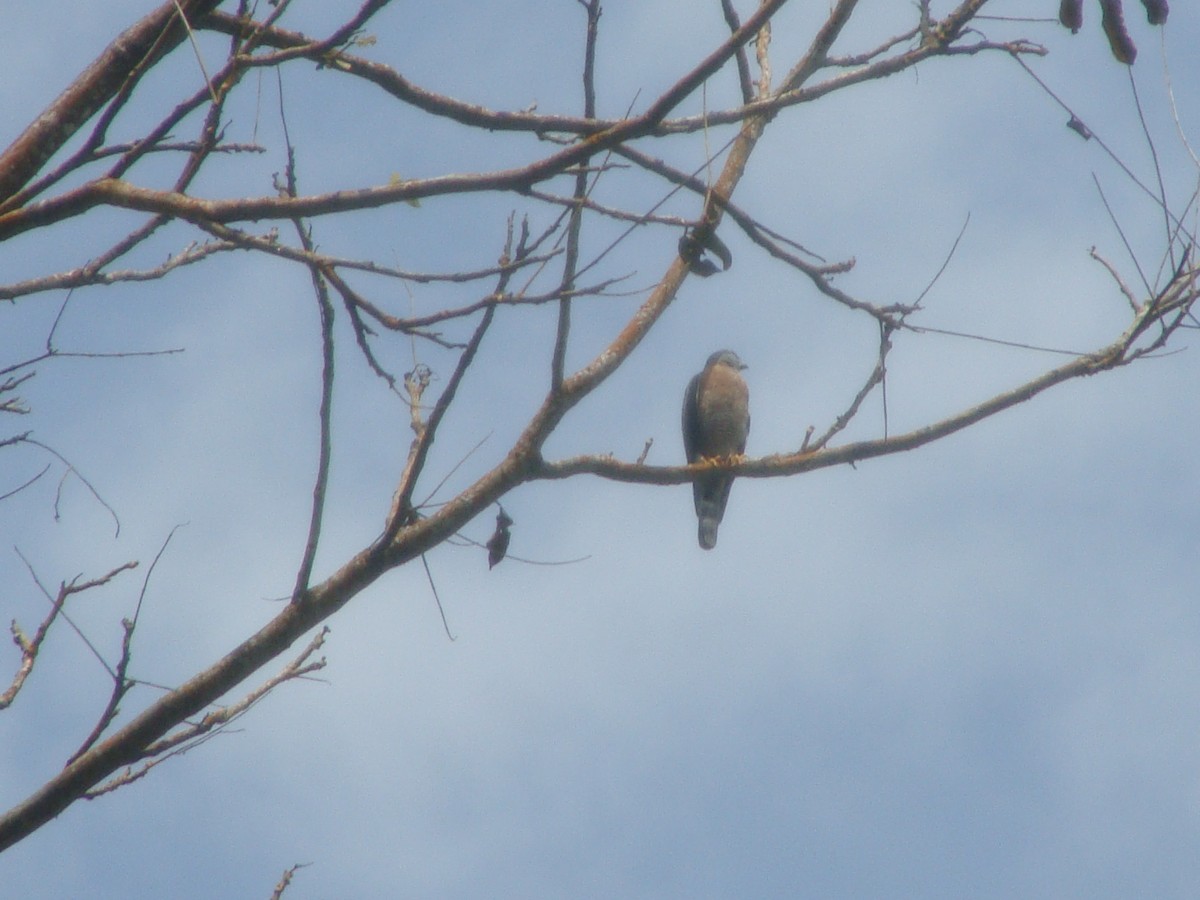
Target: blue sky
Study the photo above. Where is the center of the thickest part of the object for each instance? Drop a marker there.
(969, 670)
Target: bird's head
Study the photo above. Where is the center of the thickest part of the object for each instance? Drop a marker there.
(726, 358)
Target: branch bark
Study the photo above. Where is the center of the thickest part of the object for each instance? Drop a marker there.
(126, 58)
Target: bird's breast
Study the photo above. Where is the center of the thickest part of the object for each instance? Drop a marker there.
(723, 411)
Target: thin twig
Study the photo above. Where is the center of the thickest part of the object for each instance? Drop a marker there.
(461, 540)
(743, 64)
(30, 646)
(1097, 138)
(433, 587)
(402, 501)
(945, 263)
(286, 879)
(1112, 216)
(121, 681)
(213, 723)
(71, 470)
(26, 484)
(876, 377)
(575, 222)
(196, 50)
(1112, 270)
(325, 410)
(454, 468)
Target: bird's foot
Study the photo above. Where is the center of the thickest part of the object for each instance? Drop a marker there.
(723, 461)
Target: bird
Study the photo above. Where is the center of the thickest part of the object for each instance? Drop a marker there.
(716, 423)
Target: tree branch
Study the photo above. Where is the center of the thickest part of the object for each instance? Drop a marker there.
(1167, 309)
(130, 55)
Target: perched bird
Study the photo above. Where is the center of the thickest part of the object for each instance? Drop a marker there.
(716, 421)
(497, 545)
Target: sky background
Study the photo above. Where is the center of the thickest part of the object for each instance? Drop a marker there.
(972, 670)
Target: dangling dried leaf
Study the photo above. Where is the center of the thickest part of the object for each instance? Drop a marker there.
(695, 243)
(1076, 124)
(497, 545)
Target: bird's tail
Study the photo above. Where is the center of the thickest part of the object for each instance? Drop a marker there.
(711, 495)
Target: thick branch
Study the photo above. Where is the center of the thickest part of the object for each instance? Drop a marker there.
(119, 193)
(212, 723)
(136, 49)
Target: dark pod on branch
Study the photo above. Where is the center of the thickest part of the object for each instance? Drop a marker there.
(1156, 11)
(1070, 14)
(1112, 19)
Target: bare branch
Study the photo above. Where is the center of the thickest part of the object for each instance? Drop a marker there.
(129, 55)
(1092, 135)
(1162, 188)
(213, 723)
(402, 502)
(743, 64)
(1125, 289)
(433, 587)
(26, 483)
(93, 272)
(71, 470)
(121, 686)
(31, 646)
(325, 412)
(575, 220)
(174, 204)
(876, 377)
(121, 682)
(1167, 309)
(285, 880)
